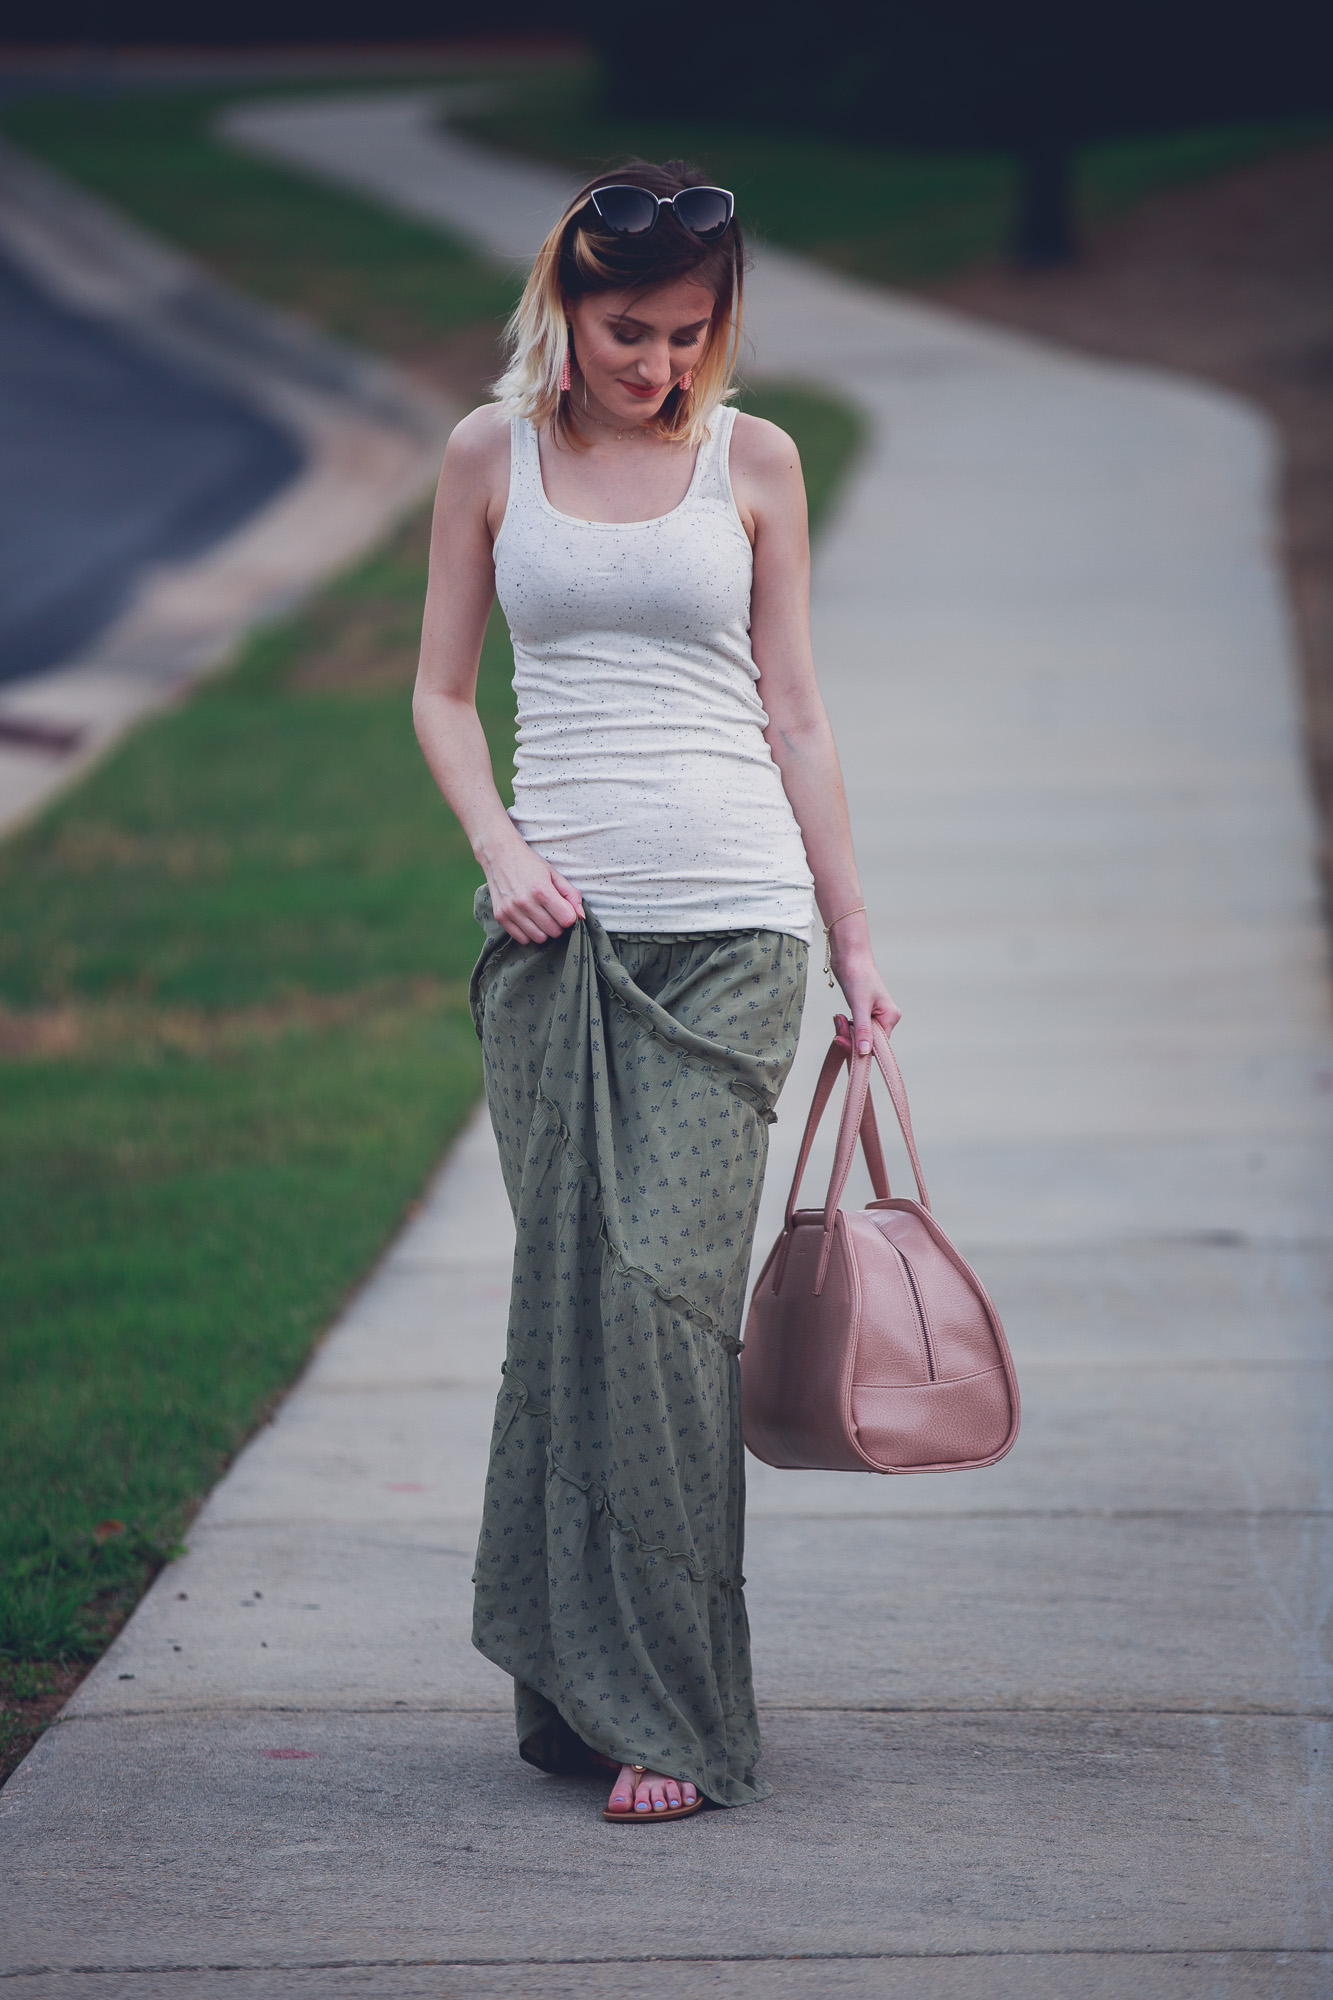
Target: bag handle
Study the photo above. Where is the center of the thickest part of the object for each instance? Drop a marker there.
(893, 1077)
(854, 1121)
(839, 1054)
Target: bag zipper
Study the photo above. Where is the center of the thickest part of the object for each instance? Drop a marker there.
(915, 1290)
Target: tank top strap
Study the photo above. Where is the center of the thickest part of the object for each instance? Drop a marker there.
(712, 477)
(525, 466)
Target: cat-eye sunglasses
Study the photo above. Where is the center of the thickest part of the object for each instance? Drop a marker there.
(633, 211)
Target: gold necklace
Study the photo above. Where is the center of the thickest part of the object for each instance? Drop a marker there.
(633, 430)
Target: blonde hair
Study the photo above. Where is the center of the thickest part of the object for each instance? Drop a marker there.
(580, 258)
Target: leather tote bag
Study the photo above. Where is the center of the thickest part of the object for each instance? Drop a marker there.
(871, 1345)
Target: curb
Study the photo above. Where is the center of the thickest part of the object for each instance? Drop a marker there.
(371, 439)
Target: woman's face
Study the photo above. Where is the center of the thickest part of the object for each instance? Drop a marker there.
(632, 347)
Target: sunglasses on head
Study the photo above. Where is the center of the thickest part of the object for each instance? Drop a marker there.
(633, 211)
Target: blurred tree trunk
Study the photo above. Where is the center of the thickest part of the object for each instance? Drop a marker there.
(1044, 215)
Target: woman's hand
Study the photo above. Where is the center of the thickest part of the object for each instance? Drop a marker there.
(858, 975)
(530, 899)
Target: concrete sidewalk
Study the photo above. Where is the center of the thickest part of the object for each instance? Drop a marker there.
(1055, 1730)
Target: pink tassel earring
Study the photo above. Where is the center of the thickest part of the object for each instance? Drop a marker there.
(564, 374)
(684, 384)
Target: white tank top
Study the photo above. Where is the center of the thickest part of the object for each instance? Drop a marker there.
(643, 773)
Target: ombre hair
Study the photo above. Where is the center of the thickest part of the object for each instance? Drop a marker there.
(580, 258)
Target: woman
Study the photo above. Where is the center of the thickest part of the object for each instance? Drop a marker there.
(647, 917)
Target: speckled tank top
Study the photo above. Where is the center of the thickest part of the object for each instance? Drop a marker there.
(643, 773)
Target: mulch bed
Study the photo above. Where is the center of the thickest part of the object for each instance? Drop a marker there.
(1230, 280)
(30, 1700)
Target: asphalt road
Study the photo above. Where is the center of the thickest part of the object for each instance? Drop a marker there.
(112, 459)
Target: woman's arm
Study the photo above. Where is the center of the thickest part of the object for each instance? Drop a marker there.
(770, 494)
(530, 899)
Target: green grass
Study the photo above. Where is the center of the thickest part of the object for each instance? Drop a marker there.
(394, 284)
(896, 216)
(234, 1040)
(232, 961)
(265, 839)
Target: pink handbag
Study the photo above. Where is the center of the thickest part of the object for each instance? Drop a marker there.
(871, 1345)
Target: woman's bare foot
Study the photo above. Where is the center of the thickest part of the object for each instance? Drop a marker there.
(640, 1791)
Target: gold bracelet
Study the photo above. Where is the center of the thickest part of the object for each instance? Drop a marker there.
(859, 911)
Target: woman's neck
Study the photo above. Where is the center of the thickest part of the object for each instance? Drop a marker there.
(598, 425)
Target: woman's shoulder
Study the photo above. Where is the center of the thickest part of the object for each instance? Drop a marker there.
(476, 460)
(480, 440)
(766, 479)
(761, 450)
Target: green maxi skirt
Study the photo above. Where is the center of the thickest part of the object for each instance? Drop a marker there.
(631, 1083)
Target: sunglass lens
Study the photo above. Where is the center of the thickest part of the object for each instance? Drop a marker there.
(703, 211)
(626, 211)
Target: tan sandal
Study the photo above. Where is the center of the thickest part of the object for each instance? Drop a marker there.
(642, 1818)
